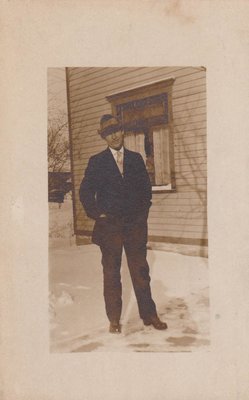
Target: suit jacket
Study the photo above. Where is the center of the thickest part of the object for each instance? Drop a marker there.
(104, 190)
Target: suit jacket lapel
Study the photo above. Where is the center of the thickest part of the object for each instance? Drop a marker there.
(126, 162)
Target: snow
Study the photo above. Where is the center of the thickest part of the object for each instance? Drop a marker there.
(78, 322)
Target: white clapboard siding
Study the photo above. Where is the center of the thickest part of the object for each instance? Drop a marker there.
(181, 214)
(137, 76)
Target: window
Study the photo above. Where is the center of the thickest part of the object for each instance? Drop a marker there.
(146, 116)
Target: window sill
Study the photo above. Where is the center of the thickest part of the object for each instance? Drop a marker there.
(163, 189)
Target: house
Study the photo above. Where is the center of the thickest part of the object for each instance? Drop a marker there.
(163, 114)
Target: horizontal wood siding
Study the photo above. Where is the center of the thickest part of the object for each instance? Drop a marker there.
(180, 215)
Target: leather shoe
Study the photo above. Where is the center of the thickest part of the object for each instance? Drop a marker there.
(115, 327)
(156, 322)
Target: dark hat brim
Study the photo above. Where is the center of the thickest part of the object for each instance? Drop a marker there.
(109, 130)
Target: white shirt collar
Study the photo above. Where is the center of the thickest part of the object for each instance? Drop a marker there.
(114, 152)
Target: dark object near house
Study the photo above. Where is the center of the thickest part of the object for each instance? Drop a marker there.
(56, 196)
(59, 183)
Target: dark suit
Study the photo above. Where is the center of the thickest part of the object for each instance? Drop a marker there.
(126, 201)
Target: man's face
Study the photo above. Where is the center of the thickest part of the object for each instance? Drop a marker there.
(115, 140)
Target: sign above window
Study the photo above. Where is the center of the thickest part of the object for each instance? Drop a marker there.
(143, 107)
(139, 114)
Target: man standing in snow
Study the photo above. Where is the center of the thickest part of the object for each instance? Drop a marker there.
(116, 193)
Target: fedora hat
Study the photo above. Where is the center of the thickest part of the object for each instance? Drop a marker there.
(108, 125)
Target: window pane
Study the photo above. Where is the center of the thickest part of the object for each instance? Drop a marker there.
(161, 156)
(140, 145)
(130, 141)
(135, 142)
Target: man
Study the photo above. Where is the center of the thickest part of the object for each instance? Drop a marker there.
(116, 193)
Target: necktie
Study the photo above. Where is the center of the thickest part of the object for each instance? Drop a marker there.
(120, 161)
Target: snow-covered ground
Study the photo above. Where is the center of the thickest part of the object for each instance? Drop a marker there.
(77, 317)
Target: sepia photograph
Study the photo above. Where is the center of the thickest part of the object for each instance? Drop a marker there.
(127, 192)
(124, 212)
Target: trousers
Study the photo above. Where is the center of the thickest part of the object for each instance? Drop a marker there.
(130, 234)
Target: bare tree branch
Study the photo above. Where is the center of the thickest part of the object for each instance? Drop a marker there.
(58, 144)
